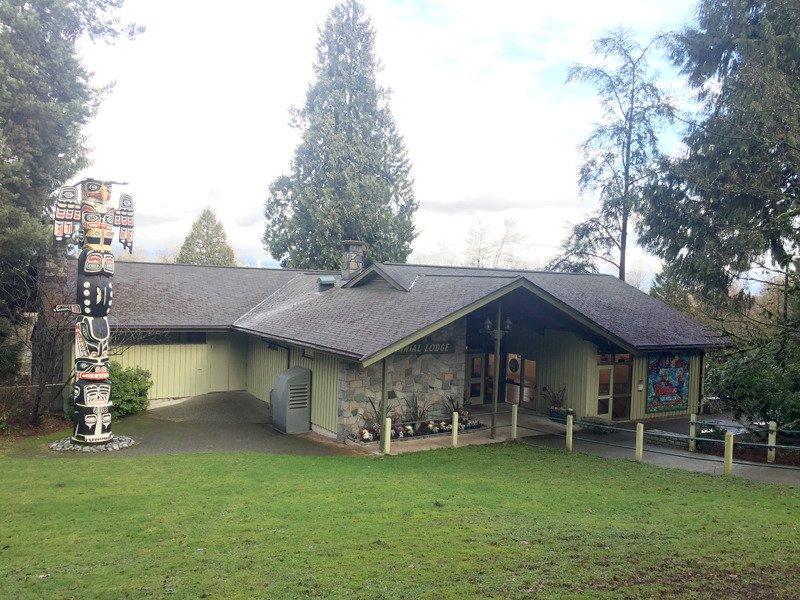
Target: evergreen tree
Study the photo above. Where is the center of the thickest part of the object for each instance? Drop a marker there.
(725, 215)
(207, 243)
(46, 97)
(728, 211)
(618, 153)
(350, 177)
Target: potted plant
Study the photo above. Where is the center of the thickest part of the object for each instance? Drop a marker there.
(556, 399)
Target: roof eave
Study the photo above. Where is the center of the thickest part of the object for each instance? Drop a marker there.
(666, 347)
(353, 356)
(518, 282)
(128, 327)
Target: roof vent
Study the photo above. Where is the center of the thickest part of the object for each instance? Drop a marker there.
(326, 282)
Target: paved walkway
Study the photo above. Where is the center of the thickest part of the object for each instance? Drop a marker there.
(219, 422)
(667, 457)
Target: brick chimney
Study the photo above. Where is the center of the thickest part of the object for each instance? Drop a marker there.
(352, 258)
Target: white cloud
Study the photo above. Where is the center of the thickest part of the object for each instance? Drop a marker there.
(199, 114)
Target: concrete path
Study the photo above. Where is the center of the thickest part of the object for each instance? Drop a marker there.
(669, 457)
(219, 422)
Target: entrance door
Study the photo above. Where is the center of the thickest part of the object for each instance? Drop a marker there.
(606, 374)
(475, 380)
(614, 386)
(621, 403)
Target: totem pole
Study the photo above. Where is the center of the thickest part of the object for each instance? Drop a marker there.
(93, 220)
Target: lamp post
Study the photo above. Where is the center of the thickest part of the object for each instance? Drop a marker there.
(497, 334)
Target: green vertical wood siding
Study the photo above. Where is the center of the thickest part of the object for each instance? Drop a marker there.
(176, 369)
(324, 387)
(562, 360)
(180, 370)
(263, 365)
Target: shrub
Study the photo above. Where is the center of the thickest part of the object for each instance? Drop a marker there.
(417, 408)
(758, 389)
(451, 404)
(129, 387)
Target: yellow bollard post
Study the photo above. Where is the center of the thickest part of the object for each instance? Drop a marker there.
(386, 436)
(569, 433)
(772, 439)
(727, 468)
(455, 429)
(639, 442)
(693, 432)
(514, 412)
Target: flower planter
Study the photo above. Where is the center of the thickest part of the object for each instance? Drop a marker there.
(410, 430)
(559, 415)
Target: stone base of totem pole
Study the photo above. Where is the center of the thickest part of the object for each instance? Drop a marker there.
(117, 442)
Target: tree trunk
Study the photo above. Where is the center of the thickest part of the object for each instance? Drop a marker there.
(623, 243)
(626, 181)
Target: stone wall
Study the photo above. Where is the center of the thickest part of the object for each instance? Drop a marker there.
(431, 377)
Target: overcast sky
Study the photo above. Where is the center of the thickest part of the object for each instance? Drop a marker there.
(199, 113)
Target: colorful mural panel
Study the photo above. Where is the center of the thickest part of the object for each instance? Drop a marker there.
(667, 382)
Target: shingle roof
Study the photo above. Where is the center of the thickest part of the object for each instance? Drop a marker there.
(621, 309)
(362, 320)
(170, 296)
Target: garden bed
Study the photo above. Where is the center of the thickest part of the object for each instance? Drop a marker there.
(742, 448)
(402, 430)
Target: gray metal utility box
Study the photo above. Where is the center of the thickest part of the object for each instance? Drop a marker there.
(290, 400)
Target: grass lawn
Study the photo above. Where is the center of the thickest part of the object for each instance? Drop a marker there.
(495, 521)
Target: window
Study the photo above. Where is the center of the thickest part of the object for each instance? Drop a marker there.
(610, 359)
(477, 367)
(604, 385)
(475, 390)
(622, 379)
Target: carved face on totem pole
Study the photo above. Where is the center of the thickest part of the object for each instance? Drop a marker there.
(92, 410)
(92, 423)
(84, 210)
(92, 336)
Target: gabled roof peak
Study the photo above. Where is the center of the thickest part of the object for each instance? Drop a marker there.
(379, 270)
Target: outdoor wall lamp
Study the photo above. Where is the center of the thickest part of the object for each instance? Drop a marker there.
(496, 333)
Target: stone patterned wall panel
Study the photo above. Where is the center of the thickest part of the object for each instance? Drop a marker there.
(432, 378)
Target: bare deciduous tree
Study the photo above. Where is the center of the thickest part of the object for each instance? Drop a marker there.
(44, 336)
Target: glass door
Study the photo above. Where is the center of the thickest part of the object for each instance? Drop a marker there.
(475, 380)
(606, 374)
(529, 379)
(621, 402)
(614, 379)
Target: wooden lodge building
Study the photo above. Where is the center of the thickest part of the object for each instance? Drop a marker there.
(609, 350)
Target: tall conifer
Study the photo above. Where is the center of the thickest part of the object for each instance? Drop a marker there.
(350, 177)
(207, 243)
